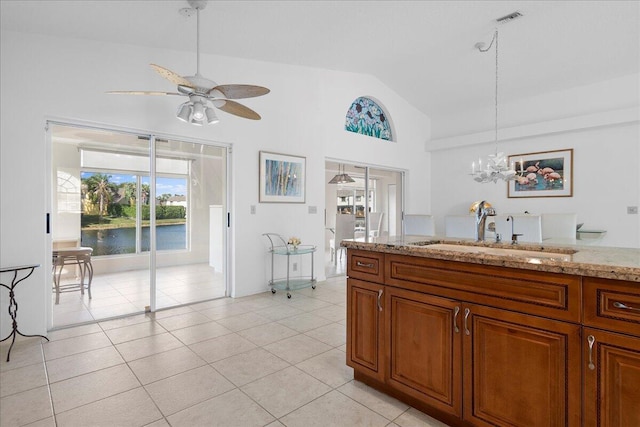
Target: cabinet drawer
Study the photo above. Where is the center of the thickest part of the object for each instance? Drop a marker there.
(612, 304)
(365, 265)
(552, 295)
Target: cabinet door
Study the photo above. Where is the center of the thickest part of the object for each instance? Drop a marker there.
(612, 379)
(520, 370)
(365, 348)
(424, 348)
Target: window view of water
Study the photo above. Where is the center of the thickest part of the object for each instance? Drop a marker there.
(113, 241)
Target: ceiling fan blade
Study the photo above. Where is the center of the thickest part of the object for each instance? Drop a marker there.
(241, 91)
(171, 76)
(238, 109)
(141, 92)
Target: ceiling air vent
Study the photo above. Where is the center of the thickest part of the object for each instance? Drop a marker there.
(508, 18)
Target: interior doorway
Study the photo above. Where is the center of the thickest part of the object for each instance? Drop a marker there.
(137, 223)
(361, 202)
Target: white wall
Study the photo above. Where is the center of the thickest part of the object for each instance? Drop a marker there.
(599, 97)
(44, 77)
(605, 139)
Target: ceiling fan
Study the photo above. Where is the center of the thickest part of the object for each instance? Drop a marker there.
(203, 92)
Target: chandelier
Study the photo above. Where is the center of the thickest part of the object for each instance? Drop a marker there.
(495, 167)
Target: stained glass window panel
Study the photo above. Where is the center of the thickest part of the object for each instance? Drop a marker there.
(366, 117)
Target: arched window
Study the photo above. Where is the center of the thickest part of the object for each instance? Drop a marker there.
(366, 117)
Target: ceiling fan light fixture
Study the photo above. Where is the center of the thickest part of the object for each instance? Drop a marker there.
(204, 94)
(198, 111)
(212, 118)
(184, 112)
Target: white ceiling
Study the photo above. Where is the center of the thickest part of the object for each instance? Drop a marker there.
(423, 50)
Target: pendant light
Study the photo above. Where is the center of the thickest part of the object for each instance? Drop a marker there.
(495, 167)
(341, 178)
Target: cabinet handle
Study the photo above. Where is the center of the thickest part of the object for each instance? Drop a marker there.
(379, 296)
(624, 306)
(466, 315)
(362, 264)
(456, 311)
(591, 340)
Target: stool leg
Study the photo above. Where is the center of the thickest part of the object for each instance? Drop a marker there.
(89, 267)
(81, 277)
(58, 284)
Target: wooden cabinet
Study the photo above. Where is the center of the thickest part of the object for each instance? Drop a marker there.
(612, 305)
(424, 348)
(469, 344)
(520, 370)
(365, 332)
(612, 379)
(611, 353)
(367, 266)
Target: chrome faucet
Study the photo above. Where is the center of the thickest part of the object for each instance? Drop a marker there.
(514, 237)
(482, 212)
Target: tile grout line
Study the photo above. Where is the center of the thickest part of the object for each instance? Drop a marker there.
(306, 310)
(46, 375)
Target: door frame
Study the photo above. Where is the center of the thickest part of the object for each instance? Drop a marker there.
(367, 167)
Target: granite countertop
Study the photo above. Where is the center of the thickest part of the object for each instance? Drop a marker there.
(594, 261)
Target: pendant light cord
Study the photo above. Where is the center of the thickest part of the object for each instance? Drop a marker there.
(496, 95)
(494, 40)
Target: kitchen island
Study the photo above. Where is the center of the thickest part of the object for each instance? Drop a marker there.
(480, 334)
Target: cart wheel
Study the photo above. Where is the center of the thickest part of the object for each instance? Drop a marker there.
(313, 286)
(273, 291)
(288, 295)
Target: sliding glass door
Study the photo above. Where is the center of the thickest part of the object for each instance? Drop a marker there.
(370, 198)
(140, 208)
(190, 222)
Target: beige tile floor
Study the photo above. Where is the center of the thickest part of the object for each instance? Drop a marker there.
(331, 268)
(262, 360)
(122, 293)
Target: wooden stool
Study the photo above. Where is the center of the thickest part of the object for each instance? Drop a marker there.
(81, 257)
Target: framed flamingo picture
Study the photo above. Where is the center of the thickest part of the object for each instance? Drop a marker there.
(542, 174)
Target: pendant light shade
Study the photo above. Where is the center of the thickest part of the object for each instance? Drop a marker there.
(184, 112)
(197, 112)
(341, 178)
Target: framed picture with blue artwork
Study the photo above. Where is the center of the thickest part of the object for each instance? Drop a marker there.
(282, 178)
(542, 174)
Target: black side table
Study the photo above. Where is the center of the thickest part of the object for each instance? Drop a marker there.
(26, 271)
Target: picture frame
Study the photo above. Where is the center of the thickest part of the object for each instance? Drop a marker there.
(542, 174)
(282, 178)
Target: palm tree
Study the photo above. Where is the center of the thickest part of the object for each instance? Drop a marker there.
(130, 192)
(163, 199)
(145, 190)
(104, 194)
(100, 191)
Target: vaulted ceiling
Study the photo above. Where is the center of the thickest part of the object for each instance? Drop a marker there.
(423, 50)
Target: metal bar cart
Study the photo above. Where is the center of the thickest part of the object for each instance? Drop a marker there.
(280, 247)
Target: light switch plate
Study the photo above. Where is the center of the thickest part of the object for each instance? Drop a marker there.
(313, 209)
(253, 209)
(632, 210)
